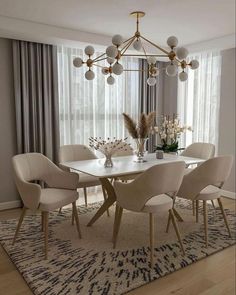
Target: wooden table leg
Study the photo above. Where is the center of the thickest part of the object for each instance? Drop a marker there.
(111, 198)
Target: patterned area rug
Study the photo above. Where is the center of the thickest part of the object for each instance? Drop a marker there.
(91, 266)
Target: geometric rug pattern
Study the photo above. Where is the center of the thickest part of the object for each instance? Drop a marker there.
(91, 266)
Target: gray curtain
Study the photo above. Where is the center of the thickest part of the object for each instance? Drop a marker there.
(149, 96)
(36, 98)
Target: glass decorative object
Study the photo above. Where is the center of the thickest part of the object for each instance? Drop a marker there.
(140, 131)
(140, 152)
(108, 147)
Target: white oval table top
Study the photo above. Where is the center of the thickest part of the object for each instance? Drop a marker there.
(125, 165)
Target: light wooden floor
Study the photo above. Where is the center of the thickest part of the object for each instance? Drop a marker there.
(214, 275)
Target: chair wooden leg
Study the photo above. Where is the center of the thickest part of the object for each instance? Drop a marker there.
(42, 222)
(60, 210)
(176, 229)
(205, 215)
(75, 214)
(168, 223)
(45, 214)
(117, 225)
(193, 204)
(105, 197)
(72, 218)
(151, 229)
(19, 224)
(85, 197)
(224, 216)
(213, 204)
(178, 217)
(197, 210)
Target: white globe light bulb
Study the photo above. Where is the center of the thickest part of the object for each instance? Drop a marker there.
(151, 60)
(89, 75)
(182, 53)
(111, 51)
(89, 50)
(110, 80)
(137, 45)
(171, 70)
(105, 71)
(183, 76)
(110, 60)
(117, 69)
(151, 81)
(117, 40)
(78, 62)
(172, 41)
(194, 64)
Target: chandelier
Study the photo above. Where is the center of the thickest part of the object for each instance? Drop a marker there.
(114, 53)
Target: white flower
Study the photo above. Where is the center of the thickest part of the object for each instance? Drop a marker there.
(163, 136)
(156, 129)
(172, 135)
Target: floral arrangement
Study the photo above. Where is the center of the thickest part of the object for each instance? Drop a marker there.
(142, 128)
(108, 147)
(169, 132)
(139, 131)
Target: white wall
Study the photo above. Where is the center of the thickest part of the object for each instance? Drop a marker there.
(227, 111)
(7, 123)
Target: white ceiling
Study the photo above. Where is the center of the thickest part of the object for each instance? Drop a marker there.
(192, 21)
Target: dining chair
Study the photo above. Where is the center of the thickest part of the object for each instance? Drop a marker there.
(127, 150)
(201, 150)
(80, 152)
(151, 192)
(204, 183)
(60, 189)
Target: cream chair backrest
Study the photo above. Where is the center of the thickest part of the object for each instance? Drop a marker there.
(159, 179)
(34, 166)
(214, 171)
(200, 150)
(75, 152)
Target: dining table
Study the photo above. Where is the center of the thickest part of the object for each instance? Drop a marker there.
(122, 166)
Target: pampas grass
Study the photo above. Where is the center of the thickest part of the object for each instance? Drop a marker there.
(143, 127)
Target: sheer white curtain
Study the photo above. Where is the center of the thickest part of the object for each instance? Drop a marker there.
(199, 99)
(93, 108)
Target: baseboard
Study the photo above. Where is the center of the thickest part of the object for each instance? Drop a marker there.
(10, 205)
(228, 194)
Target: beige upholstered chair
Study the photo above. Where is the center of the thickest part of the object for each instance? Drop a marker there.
(60, 190)
(201, 150)
(204, 183)
(79, 152)
(151, 192)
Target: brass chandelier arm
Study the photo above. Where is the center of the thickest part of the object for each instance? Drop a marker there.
(153, 44)
(123, 50)
(134, 70)
(98, 57)
(127, 40)
(148, 55)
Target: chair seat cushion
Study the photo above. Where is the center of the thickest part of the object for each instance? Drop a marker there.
(158, 203)
(210, 192)
(86, 180)
(52, 198)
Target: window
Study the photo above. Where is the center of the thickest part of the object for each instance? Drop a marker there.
(199, 99)
(94, 108)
